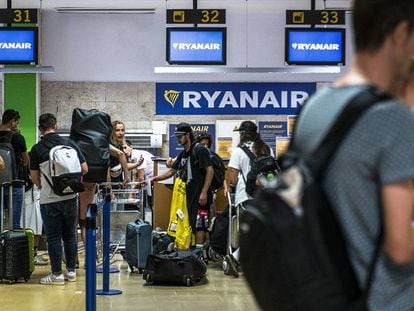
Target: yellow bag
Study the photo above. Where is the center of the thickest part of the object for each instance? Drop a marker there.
(179, 226)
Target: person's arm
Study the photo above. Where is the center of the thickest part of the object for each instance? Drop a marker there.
(84, 168)
(35, 174)
(141, 175)
(167, 174)
(232, 176)
(25, 158)
(398, 204)
(202, 200)
(122, 159)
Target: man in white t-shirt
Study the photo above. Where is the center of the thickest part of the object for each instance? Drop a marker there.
(238, 168)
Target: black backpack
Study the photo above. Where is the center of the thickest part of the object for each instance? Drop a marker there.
(91, 130)
(261, 167)
(303, 262)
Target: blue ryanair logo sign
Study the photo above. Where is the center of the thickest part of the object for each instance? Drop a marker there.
(231, 98)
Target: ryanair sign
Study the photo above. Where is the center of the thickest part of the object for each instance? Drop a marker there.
(231, 98)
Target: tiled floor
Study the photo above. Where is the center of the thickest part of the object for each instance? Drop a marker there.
(218, 292)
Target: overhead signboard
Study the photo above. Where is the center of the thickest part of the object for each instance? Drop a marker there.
(202, 16)
(18, 16)
(315, 17)
(196, 46)
(18, 45)
(315, 46)
(231, 98)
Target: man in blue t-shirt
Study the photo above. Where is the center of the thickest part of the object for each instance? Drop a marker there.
(370, 178)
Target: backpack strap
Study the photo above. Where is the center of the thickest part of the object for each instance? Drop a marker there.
(320, 158)
(251, 156)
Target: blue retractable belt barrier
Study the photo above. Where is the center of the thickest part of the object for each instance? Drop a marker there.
(91, 257)
(105, 249)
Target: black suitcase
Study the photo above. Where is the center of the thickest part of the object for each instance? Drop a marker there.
(16, 257)
(180, 267)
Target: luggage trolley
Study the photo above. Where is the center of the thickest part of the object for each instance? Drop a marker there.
(233, 229)
(126, 206)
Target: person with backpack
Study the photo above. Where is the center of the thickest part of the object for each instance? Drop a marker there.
(58, 207)
(9, 134)
(194, 167)
(369, 181)
(238, 169)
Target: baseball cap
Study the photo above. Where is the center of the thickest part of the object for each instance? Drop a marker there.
(247, 126)
(182, 128)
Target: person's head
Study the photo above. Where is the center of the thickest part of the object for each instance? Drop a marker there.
(47, 121)
(248, 133)
(375, 20)
(11, 119)
(127, 148)
(203, 138)
(184, 134)
(118, 133)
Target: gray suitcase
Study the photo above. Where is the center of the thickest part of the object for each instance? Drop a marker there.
(138, 244)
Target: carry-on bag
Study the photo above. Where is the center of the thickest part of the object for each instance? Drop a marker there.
(179, 267)
(16, 246)
(138, 244)
(91, 130)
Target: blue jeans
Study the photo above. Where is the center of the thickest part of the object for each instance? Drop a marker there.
(17, 201)
(60, 221)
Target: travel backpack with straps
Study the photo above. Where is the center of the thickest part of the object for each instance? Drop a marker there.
(304, 262)
(64, 174)
(261, 166)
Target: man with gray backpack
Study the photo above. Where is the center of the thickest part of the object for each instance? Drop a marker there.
(56, 167)
(14, 152)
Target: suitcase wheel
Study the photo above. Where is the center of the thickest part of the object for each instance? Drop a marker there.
(148, 279)
(189, 281)
(226, 268)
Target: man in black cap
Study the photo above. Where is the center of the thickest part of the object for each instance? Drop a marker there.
(194, 167)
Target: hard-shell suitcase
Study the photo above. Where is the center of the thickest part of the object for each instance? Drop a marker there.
(138, 244)
(16, 246)
(180, 267)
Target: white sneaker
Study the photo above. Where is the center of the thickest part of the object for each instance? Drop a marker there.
(52, 279)
(70, 276)
(41, 261)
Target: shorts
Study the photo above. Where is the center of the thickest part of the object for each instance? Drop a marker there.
(202, 220)
(86, 198)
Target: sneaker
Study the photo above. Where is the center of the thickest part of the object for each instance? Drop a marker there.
(70, 276)
(232, 265)
(53, 279)
(41, 261)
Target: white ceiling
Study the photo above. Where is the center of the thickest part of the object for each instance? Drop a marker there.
(52, 4)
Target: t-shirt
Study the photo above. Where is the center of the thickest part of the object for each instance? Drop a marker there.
(18, 143)
(378, 150)
(39, 161)
(149, 164)
(239, 160)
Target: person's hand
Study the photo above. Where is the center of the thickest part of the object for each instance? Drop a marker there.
(169, 162)
(126, 181)
(202, 200)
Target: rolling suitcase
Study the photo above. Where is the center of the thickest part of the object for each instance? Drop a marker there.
(138, 244)
(180, 267)
(16, 246)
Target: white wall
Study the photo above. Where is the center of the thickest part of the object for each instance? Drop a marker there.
(127, 47)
